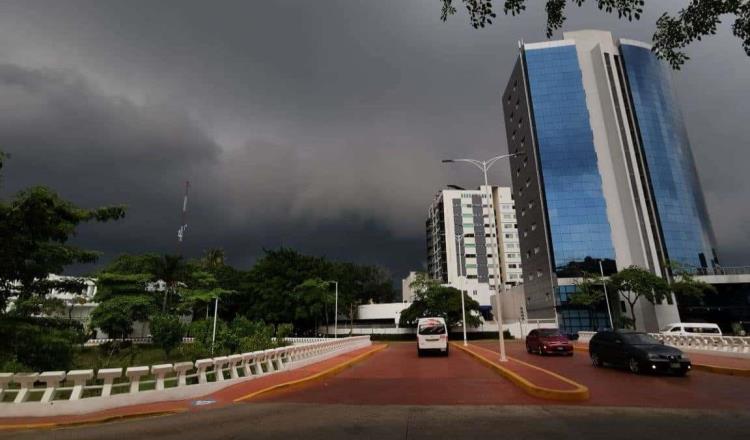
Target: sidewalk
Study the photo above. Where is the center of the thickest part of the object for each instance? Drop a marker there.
(239, 392)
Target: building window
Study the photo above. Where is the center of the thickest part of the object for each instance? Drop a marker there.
(528, 182)
(536, 250)
(533, 226)
(538, 273)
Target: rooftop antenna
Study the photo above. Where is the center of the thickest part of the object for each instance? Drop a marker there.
(183, 224)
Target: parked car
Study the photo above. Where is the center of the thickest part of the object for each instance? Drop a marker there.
(692, 329)
(432, 335)
(637, 351)
(548, 341)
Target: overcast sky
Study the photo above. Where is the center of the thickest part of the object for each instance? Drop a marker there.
(313, 124)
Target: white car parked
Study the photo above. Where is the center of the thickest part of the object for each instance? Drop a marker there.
(432, 334)
(692, 329)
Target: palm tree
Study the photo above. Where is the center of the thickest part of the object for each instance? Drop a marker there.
(170, 269)
(214, 258)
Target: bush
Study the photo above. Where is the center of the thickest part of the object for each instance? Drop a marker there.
(39, 344)
(283, 331)
(167, 332)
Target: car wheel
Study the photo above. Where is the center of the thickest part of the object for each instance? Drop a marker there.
(634, 366)
(528, 348)
(595, 361)
(540, 352)
(419, 352)
(446, 351)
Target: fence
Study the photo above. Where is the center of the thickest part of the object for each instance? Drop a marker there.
(720, 344)
(87, 390)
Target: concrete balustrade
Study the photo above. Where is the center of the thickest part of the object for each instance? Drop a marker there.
(181, 368)
(201, 365)
(159, 371)
(5, 379)
(79, 378)
(52, 380)
(245, 366)
(135, 374)
(219, 363)
(108, 375)
(26, 382)
(234, 362)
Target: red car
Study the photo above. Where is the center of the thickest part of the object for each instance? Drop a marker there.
(548, 341)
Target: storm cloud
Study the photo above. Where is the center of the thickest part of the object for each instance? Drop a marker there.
(317, 125)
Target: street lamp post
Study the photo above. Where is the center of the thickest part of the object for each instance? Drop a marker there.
(606, 296)
(485, 166)
(460, 239)
(336, 312)
(213, 337)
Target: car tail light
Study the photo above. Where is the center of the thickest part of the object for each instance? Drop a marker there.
(443, 336)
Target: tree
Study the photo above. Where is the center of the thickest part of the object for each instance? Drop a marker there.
(117, 315)
(634, 283)
(166, 331)
(589, 293)
(699, 19)
(441, 301)
(686, 288)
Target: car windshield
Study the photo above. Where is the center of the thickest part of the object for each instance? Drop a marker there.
(546, 333)
(431, 329)
(639, 339)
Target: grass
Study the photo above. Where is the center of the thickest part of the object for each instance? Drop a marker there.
(95, 357)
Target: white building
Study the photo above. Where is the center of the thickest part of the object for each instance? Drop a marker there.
(407, 293)
(462, 238)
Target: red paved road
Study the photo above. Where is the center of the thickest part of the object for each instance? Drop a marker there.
(616, 387)
(397, 376)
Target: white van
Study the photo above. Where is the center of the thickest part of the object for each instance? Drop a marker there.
(432, 334)
(692, 329)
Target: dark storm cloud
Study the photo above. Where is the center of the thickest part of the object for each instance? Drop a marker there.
(318, 125)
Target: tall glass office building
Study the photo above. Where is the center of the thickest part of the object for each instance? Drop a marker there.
(607, 179)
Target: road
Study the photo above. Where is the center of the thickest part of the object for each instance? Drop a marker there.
(332, 422)
(395, 394)
(617, 387)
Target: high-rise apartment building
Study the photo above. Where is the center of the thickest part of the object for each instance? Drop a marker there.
(463, 227)
(607, 175)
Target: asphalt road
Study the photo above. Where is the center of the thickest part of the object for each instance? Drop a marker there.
(618, 387)
(331, 422)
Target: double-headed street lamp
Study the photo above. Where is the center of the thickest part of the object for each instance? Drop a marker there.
(485, 166)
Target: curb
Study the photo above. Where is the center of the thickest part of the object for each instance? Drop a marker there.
(321, 375)
(580, 392)
(716, 369)
(94, 421)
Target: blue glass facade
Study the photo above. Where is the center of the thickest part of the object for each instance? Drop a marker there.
(576, 209)
(681, 210)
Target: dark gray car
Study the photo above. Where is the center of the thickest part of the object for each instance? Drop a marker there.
(639, 352)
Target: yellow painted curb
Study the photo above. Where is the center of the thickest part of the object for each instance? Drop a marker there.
(95, 420)
(722, 370)
(329, 372)
(580, 392)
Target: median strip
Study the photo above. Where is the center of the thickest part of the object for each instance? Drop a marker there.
(510, 371)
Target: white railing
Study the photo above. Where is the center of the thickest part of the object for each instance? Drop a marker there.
(725, 344)
(81, 391)
(136, 341)
(722, 344)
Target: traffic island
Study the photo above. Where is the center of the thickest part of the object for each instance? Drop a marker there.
(533, 380)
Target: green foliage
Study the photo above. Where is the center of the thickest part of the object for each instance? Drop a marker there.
(117, 315)
(442, 301)
(39, 344)
(166, 331)
(686, 288)
(699, 19)
(634, 283)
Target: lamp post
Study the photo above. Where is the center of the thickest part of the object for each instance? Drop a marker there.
(336, 312)
(213, 337)
(459, 240)
(485, 166)
(606, 296)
